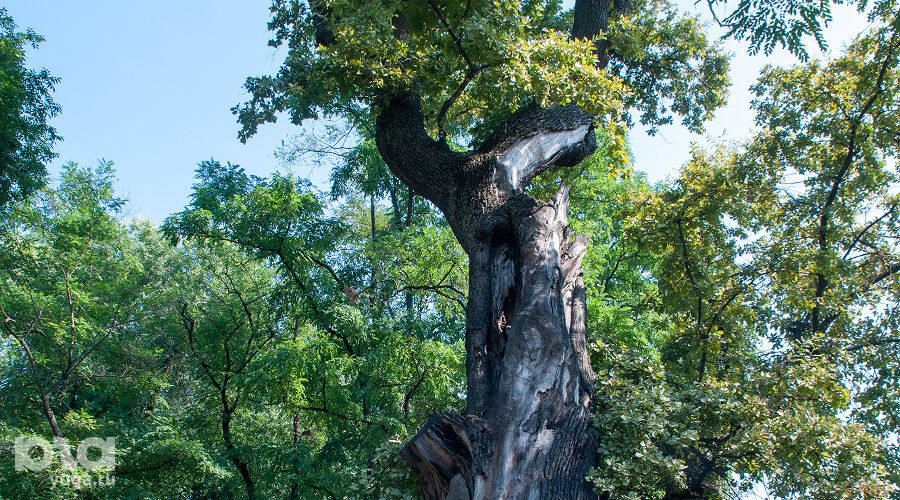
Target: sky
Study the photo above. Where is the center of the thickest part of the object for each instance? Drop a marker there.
(149, 86)
(660, 156)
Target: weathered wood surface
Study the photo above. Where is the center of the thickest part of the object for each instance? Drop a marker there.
(526, 432)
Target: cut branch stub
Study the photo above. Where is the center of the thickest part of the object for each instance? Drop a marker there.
(533, 140)
(449, 445)
(528, 157)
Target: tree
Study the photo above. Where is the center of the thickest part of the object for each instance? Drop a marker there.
(228, 327)
(741, 320)
(66, 281)
(527, 425)
(87, 346)
(74, 286)
(363, 352)
(775, 262)
(508, 90)
(26, 138)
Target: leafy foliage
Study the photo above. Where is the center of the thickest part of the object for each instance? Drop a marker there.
(773, 267)
(26, 138)
(668, 65)
(275, 341)
(769, 25)
(373, 350)
(473, 64)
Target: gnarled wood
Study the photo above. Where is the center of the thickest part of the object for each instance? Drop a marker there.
(526, 432)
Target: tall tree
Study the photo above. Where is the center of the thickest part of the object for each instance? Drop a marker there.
(26, 137)
(458, 71)
(229, 323)
(470, 102)
(775, 264)
(367, 348)
(88, 315)
(67, 279)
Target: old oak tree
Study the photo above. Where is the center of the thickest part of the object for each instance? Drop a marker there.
(468, 102)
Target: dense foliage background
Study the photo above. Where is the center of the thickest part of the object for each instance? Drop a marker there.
(276, 340)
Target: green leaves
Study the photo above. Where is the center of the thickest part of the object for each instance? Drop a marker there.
(227, 204)
(668, 66)
(768, 25)
(771, 269)
(474, 64)
(471, 64)
(70, 275)
(360, 343)
(26, 107)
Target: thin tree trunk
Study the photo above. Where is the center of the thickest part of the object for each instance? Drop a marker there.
(372, 236)
(397, 220)
(73, 397)
(238, 462)
(372, 214)
(410, 200)
(295, 487)
(50, 415)
(409, 295)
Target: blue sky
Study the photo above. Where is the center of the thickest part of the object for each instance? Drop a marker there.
(149, 86)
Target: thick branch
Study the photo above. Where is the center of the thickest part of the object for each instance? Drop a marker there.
(415, 158)
(592, 20)
(466, 185)
(883, 274)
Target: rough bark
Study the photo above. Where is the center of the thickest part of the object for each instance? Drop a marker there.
(526, 432)
(591, 18)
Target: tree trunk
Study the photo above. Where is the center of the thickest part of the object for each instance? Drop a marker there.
(591, 17)
(232, 454)
(295, 486)
(526, 432)
(50, 414)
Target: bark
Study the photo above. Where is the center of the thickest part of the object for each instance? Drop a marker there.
(526, 432)
(50, 414)
(591, 19)
(298, 433)
(322, 23)
(238, 462)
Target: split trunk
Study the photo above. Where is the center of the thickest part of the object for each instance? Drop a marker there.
(526, 432)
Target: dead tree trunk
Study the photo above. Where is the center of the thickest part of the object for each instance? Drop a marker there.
(526, 432)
